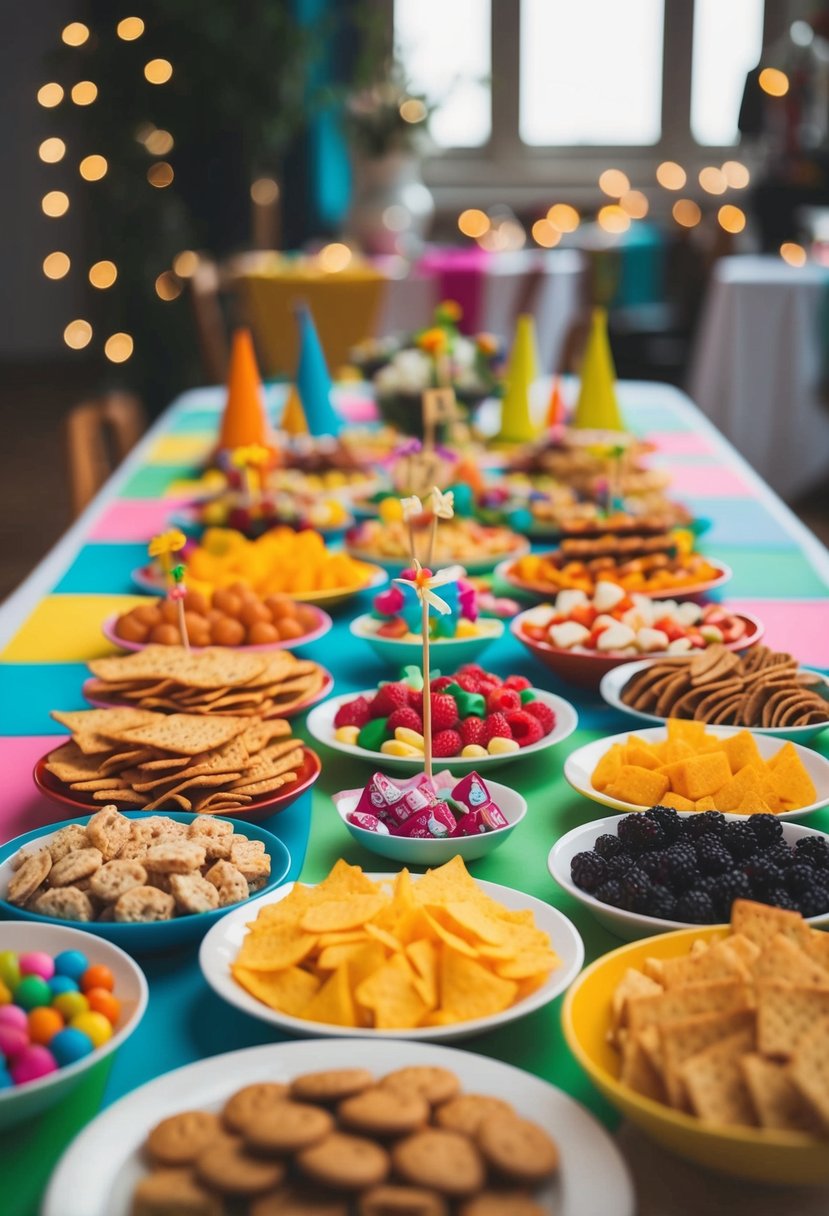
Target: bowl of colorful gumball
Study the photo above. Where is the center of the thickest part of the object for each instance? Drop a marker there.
(67, 1001)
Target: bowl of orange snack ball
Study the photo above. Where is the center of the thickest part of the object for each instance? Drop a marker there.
(232, 616)
(281, 562)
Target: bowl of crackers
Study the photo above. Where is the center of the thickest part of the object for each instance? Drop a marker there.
(141, 759)
(690, 766)
(144, 881)
(715, 1041)
(213, 681)
(763, 689)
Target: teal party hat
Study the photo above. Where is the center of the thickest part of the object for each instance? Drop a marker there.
(312, 379)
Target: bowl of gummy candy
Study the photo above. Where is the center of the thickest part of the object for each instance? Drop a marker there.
(67, 1000)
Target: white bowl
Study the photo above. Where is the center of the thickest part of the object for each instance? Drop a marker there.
(24, 1101)
(320, 723)
(580, 765)
(446, 653)
(416, 852)
(222, 944)
(632, 925)
(613, 682)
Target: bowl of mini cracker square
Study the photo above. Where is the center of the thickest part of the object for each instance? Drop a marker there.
(144, 881)
(715, 1040)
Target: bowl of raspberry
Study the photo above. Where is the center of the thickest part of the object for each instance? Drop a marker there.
(661, 869)
(478, 720)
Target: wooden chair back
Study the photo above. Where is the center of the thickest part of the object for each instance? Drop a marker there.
(99, 434)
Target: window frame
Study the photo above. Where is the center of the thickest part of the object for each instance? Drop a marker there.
(506, 170)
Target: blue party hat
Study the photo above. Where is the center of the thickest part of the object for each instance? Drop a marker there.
(312, 379)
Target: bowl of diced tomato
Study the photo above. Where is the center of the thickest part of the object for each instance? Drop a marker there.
(581, 637)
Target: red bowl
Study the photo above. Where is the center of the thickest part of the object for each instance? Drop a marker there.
(587, 670)
(291, 710)
(260, 808)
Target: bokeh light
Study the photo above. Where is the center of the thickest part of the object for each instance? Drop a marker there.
(84, 92)
(160, 174)
(158, 71)
(736, 174)
(564, 217)
(264, 191)
(334, 257)
(613, 219)
(78, 334)
(473, 222)
(686, 212)
(93, 168)
(185, 263)
(52, 150)
(50, 95)
(546, 234)
(55, 204)
(793, 253)
(774, 82)
(614, 183)
(731, 218)
(103, 274)
(75, 34)
(167, 286)
(635, 204)
(670, 175)
(412, 110)
(56, 265)
(713, 180)
(158, 142)
(118, 347)
(130, 28)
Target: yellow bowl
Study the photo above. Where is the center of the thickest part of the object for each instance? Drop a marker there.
(778, 1157)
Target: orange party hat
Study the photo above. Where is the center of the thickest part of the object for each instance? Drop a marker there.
(555, 406)
(244, 421)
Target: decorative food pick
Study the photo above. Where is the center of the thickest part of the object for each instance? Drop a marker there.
(443, 507)
(251, 461)
(162, 547)
(177, 593)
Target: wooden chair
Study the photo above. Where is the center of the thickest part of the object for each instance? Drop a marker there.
(99, 434)
(204, 287)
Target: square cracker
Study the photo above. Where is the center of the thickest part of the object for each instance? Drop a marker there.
(777, 1101)
(782, 961)
(786, 1014)
(759, 922)
(714, 996)
(184, 734)
(681, 1040)
(715, 1083)
(810, 1069)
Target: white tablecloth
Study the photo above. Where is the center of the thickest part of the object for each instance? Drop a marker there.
(759, 363)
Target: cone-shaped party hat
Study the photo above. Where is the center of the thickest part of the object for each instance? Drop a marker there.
(555, 406)
(516, 422)
(294, 421)
(597, 407)
(244, 420)
(312, 379)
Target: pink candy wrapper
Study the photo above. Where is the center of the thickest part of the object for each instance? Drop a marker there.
(473, 793)
(413, 807)
(433, 822)
(369, 823)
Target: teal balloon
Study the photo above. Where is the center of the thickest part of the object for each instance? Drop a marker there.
(464, 498)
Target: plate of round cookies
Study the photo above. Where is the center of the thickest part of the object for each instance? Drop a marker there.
(458, 1129)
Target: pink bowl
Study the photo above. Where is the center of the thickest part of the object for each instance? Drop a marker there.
(587, 670)
(260, 808)
(324, 623)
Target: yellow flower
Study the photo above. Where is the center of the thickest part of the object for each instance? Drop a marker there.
(167, 542)
(450, 309)
(433, 341)
(252, 454)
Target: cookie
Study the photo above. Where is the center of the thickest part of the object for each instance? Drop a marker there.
(180, 1139)
(80, 863)
(230, 883)
(436, 1085)
(72, 837)
(502, 1203)
(440, 1160)
(114, 878)
(250, 859)
(174, 1190)
(294, 1199)
(175, 857)
(227, 1166)
(331, 1085)
(213, 834)
(401, 1201)
(465, 1112)
(144, 904)
(193, 893)
(519, 1150)
(64, 903)
(134, 850)
(251, 1102)
(288, 1127)
(383, 1112)
(108, 830)
(25, 881)
(345, 1163)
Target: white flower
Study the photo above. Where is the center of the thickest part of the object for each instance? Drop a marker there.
(412, 507)
(443, 505)
(425, 586)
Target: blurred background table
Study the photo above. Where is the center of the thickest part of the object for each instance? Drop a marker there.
(761, 367)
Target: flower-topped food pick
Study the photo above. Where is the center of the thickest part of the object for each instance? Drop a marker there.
(424, 583)
(163, 546)
(412, 509)
(251, 461)
(443, 507)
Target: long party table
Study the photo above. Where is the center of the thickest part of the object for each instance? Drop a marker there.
(50, 627)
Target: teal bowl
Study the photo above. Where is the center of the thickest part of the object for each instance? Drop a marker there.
(447, 654)
(149, 937)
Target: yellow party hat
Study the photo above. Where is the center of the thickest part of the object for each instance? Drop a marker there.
(516, 423)
(294, 421)
(597, 408)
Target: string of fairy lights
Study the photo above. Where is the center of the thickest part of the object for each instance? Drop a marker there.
(78, 333)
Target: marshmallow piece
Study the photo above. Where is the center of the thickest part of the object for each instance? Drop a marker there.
(616, 637)
(688, 613)
(680, 646)
(499, 746)
(711, 633)
(404, 734)
(347, 734)
(566, 601)
(606, 596)
(393, 747)
(568, 634)
(645, 609)
(652, 639)
(474, 751)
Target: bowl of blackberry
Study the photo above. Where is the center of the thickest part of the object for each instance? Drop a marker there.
(664, 869)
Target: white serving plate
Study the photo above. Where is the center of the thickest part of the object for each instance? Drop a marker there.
(222, 944)
(320, 723)
(24, 1101)
(613, 682)
(99, 1170)
(416, 852)
(630, 926)
(580, 764)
